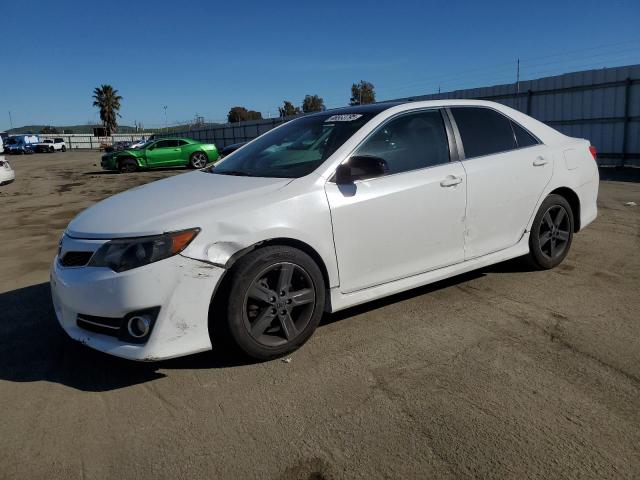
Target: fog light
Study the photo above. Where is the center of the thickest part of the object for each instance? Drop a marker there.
(139, 326)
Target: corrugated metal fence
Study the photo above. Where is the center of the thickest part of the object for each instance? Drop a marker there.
(600, 105)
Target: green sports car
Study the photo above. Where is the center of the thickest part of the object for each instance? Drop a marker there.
(161, 152)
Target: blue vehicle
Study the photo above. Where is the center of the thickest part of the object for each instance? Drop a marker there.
(21, 144)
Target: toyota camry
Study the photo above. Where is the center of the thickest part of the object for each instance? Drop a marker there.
(325, 212)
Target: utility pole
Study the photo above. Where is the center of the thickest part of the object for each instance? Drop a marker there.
(10, 120)
(166, 129)
(518, 76)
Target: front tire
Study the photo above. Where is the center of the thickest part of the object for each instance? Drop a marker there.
(127, 165)
(551, 233)
(275, 301)
(64, 148)
(198, 160)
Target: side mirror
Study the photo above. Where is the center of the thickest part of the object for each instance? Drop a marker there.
(361, 167)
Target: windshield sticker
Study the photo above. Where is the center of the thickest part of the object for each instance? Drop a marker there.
(349, 117)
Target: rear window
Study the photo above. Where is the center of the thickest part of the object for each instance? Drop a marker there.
(483, 131)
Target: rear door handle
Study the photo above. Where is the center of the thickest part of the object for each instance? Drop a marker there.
(450, 181)
(540, 161)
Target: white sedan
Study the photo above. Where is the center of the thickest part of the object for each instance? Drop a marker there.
(325, 212)
(7, 175)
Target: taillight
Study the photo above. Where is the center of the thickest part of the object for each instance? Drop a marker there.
(593, 151)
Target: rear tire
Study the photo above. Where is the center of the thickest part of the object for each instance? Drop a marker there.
(275, 301)
(198, 160)
(64, 148)
(127, 165)
(551, 233)
(52, 150)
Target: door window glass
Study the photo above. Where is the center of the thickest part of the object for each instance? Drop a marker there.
(410, 142)
(483, 131)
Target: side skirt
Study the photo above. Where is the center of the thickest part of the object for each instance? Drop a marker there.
(340, 301)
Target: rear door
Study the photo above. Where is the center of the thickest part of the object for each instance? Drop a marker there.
(507, 170)
(409, 221)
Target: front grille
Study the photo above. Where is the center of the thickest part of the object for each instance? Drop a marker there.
(75, 259)
(104, 325)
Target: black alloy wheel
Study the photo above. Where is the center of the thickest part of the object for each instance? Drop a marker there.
(279, 304)
(274, 302)
(551, 233)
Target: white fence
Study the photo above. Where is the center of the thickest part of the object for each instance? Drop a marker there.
(88, 141)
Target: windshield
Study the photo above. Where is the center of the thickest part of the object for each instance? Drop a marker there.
(145, 144)
(295, 149)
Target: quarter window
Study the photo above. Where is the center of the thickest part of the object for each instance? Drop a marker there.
(410, 142)
(483, 131)
(524, 138)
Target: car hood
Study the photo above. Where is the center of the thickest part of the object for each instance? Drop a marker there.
(171, 204)
(128, 152)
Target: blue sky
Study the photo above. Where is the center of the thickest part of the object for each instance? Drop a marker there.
(204, 57)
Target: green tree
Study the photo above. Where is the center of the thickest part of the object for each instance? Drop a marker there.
(287, 109)
(240, 114)
(106, 98)
(49, 130)
(362, 93)
(313, 103)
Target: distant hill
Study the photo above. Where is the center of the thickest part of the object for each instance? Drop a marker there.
(88, 129)
(66, 129)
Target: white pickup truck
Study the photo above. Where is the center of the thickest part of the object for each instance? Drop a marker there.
(51, 145)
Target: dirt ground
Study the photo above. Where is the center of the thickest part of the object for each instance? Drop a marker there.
(501, 373)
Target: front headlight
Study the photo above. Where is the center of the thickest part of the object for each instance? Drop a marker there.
(127, 253)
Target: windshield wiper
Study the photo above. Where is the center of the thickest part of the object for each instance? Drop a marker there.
(237, 173)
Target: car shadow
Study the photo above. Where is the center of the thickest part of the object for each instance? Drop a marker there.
(115, 172)
(33, 347)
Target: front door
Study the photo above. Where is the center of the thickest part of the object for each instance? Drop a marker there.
(408, 221)
(163, 153)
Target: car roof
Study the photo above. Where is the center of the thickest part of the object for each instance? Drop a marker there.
(190, 140)
(374, 108)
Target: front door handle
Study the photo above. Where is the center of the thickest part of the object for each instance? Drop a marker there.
(540, 161)
(451, 181)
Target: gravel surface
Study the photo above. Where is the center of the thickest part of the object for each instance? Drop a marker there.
(500, 373)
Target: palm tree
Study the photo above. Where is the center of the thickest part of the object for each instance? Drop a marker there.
(108, 101)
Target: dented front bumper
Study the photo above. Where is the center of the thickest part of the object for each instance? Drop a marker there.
(181, 287)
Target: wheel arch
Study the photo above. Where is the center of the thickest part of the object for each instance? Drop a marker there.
(284, 241)
(574, 202)
(128, 157)
(221, 291)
